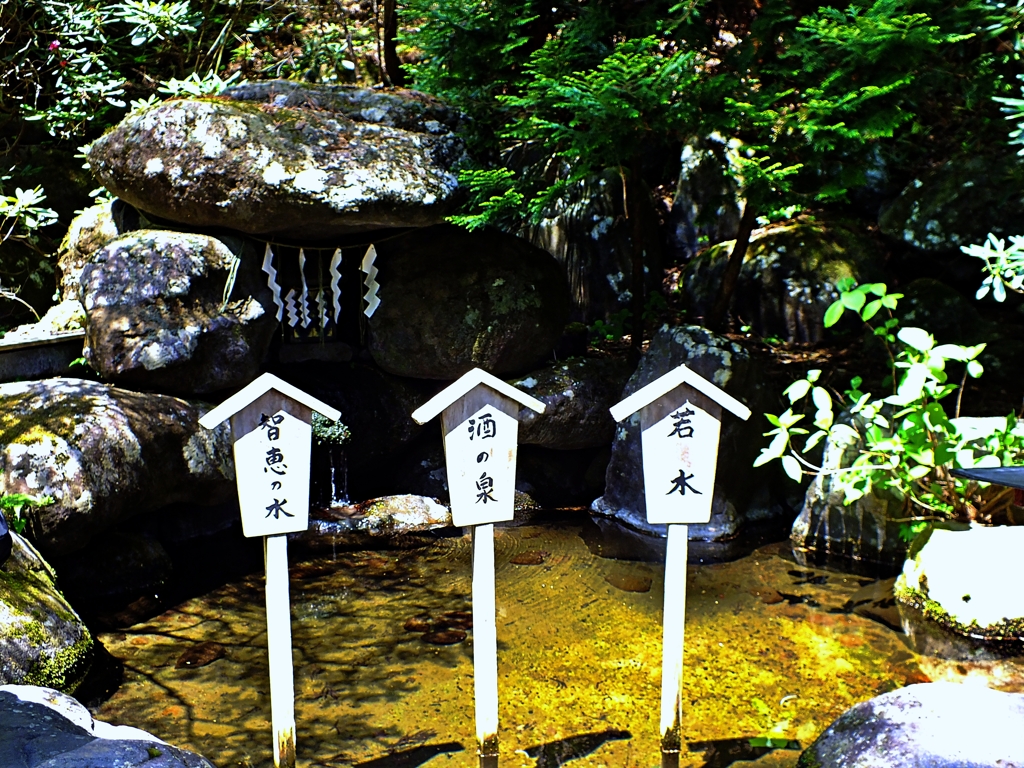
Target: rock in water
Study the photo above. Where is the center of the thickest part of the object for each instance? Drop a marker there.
(938, 725)
(288, 159)
(728, 366)
(157, 316)
(45, 728)
(453, 300)
(200, 655)
(42, 640)
(104, 454)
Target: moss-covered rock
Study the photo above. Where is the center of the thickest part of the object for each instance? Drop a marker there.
(577, 394)
(788, 276)
(453, 300)
(957, 581)
(104, 454)
(42, 640)
(288, 159)
(90, 230)
(156, 314)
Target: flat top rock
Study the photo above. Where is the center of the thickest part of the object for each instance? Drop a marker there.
(288, 159)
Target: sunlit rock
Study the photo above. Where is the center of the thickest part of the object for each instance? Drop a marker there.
(953, 595)
(104, 454)
(288, 158)
(453, 300)
(939, 725)
(788, 276)
(578, 394)
(737, 501)
(43, 727)
(42, 639)
(159, 314)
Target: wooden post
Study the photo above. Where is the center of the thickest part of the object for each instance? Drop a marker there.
(672, 646)
(271, 430)
(279, 645)
(680, 423)
(485, 645)
(480, 428)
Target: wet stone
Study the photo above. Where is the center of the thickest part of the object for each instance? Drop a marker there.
(444, 637)
(629, 582)
(200, 655)
(533, 557)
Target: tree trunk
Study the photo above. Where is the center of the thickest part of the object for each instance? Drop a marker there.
(716, 319)
(392, 64)
(634, 195)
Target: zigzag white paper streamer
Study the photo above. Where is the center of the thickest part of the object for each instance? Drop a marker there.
(275, 289)
(321, 304)
(336, 284)
(293, 314)
(372, 299)
(304, 296)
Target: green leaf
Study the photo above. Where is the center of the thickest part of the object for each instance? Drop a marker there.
(915, 473)
(852, 300)
(814, 439)
(918, 338)
(797, 389)
(871, 310)
(813, 375)
(821, 398)
(792, 467)
(975, 369)
(833, 313)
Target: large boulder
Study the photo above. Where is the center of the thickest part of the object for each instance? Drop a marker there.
(104, 454)
(788, 276)
(46, 729)
(953, 596)
(863, 533)
(288, 159)
(577, 394)
(730, 367)
(42, 640)
(452, 300)
(90, 230)
(156, 314)
(958, 203)
(933, 725)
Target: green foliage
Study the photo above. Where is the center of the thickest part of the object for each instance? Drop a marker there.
(905, 442)
(14, 505)
(327, 432)
(1004, 267)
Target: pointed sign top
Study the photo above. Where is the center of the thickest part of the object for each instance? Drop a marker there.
(260, 386)
(463, 386)
(665, 384)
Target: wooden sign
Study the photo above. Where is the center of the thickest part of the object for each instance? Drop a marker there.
(271, 428)
(680, 423)
(478, 421)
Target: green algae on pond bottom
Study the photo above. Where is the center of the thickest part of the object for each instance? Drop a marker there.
(576, 656)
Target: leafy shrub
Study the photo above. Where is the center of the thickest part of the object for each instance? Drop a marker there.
(906, 442)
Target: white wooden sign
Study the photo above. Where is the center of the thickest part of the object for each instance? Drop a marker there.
(271, 428)
(480, 437)
(273, 460)
(680, 422)
(680, 455)
(481, 457)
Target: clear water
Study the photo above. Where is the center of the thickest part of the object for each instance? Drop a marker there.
(772, 649)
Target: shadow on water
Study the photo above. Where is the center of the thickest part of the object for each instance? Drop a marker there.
(557, 753)
(722, 753)
(412, 758)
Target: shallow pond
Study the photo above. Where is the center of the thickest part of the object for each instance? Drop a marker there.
(772, 648)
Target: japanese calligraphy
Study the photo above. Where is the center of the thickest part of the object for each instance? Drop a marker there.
(681, 484)
(277, 508)
(681, 423)
(484, 456)
(485, 486)
(272, 425)
(483, 427)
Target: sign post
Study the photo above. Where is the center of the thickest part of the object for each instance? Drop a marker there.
(680, 423)
(271, 429)
(480, 429)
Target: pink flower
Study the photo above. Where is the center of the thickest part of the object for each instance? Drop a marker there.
(55, 45)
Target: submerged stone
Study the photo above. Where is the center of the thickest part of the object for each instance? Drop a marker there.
(285, 158)
(42, 639)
